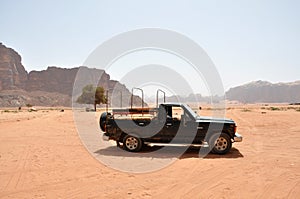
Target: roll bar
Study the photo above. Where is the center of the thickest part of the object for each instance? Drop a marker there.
(157, 92)
(134, 88)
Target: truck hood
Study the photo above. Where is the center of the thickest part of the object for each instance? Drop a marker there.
(215, 120)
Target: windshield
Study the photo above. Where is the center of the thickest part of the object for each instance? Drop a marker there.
(188, 109)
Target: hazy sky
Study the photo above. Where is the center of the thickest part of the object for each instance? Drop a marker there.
(247, 40)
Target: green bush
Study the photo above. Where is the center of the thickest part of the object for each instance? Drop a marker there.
(246, 110)
(274, 108)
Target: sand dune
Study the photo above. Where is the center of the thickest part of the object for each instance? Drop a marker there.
(42, 156)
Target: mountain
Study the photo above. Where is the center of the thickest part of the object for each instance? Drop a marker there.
(263, 91)
(50, 87)
(12, 73)
(54, 86)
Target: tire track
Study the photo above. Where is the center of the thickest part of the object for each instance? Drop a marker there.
(294, 191)
(276, 187)
(15, 179)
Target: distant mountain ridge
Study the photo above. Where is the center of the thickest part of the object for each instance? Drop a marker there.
(266, 92)
(253, 92)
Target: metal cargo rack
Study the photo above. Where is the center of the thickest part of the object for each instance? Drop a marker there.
(142, 111)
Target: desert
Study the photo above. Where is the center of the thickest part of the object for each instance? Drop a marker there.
(140, 71)
(42, 156)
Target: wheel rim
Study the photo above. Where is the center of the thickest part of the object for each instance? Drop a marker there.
(131, 143)
(221, 144)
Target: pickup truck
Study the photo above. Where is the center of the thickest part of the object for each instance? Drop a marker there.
(170, 124)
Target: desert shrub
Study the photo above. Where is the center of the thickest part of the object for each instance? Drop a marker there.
(291, 108)
(274, 108)
(246, 110)
(29, 105)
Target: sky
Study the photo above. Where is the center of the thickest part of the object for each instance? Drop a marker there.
(246, 40)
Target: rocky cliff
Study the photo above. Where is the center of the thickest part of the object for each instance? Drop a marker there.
(61, 80)
(263, 91)
(50, 87)
(12, 73)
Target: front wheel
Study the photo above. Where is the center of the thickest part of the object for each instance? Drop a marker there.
(220, 144)
(132, 143)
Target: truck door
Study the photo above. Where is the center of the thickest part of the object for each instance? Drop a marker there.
(188, 129)
(174, 128)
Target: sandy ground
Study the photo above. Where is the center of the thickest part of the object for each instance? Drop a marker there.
(41, 156)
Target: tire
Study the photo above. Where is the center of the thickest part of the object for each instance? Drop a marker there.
(220, 144)
(132, 143)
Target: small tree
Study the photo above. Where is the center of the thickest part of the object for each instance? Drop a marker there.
(99, 96)
(92, 95)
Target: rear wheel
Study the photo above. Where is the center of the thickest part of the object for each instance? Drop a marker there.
(132, 143)
(220, 144)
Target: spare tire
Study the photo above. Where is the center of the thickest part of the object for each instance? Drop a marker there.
(102, 121)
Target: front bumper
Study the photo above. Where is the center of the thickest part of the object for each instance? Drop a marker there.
(238, 137)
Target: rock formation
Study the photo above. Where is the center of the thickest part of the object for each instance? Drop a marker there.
(50, 87)
(263, 91)
(12, 73)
